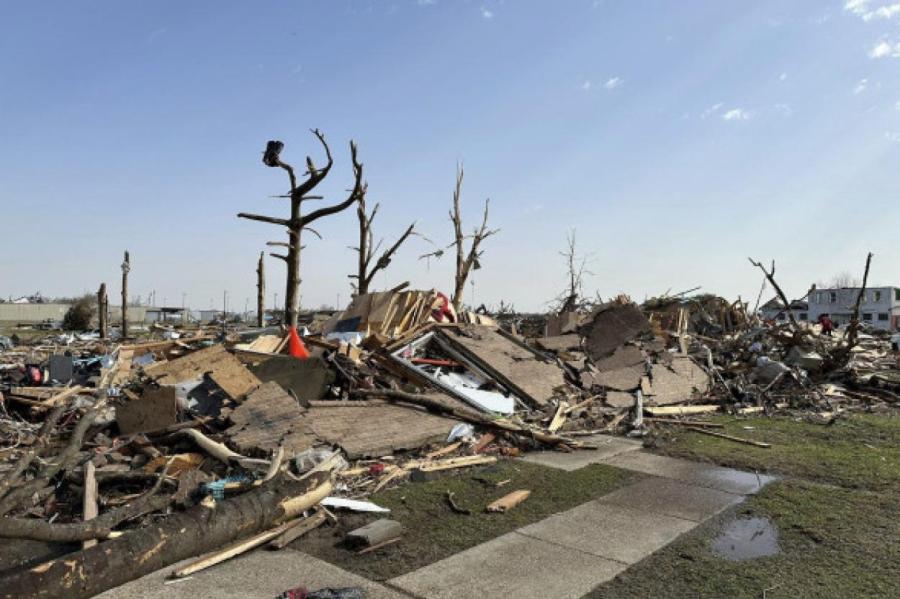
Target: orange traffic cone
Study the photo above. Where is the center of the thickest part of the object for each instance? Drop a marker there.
(295, 345)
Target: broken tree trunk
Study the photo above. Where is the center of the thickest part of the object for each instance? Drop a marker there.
(126, 268)
(465, 262)
(103, 311)
(365, 271)
(199, 530)
(261, 291)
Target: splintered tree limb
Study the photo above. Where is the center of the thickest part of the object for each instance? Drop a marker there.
(12, 478)
(183, 535)
(770, 275)
(23, 494)
(100, 527)
(265, 219)
(354, 193)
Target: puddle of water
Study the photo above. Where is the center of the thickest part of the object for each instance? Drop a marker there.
(746, 538)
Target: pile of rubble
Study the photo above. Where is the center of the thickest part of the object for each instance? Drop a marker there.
(136, 455)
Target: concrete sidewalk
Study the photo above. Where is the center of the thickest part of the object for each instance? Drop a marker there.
(570, 553)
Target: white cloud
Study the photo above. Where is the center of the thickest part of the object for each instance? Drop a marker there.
(892, 136)
(613, 83)
(586, 86)
(897, 106)
(426, 2)
(867, 11)
(885, 49)
(487, 14)
(737, 114)
(861, 86)
(782, 77)
(711, 110)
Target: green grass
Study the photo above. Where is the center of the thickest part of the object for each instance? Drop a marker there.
(835, 543)
(859, 451)
(839, 530)
(434, 531)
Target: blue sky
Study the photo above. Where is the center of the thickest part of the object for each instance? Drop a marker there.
(677, 138)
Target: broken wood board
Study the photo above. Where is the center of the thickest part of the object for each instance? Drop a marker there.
(507, 502)
(270, 418)
(676, 383)
(375, 428)
(620, 379)
(514, 365)
(307, 379)
(226, 371)
(559, 342)
(154, 410)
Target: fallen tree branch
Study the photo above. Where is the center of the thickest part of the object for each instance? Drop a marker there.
(23, 494)
(198, 530)
(100, 527)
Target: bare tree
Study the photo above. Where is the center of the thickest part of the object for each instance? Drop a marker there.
(298, 222)
(466, 261)
(770, 275)
(261, 291)
(841, 280)
(576, 266)
(367, 248)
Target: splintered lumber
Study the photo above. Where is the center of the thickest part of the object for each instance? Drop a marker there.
(180, 536)
(507, 502)
(295, 532)
(89, 509)
(730, 437)
(233, 550)
(452, 463)
(680, 410)
(444, 450)
(559, 418)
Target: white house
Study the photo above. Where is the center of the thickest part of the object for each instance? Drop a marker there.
(880, 307)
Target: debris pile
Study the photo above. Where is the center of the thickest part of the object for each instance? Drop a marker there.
(212, 441)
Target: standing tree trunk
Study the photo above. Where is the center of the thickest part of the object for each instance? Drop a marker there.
(298, 221)
(126, 268)
(365, 272)
(261, 291)
(466, 261)
(103, 311)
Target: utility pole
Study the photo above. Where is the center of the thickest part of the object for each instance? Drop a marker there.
(261, 291)
(126, 268)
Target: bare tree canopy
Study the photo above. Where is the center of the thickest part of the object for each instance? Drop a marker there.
(466, 261)
(367, 248)
(298, 222)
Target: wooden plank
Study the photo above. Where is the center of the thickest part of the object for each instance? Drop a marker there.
(507, 502)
